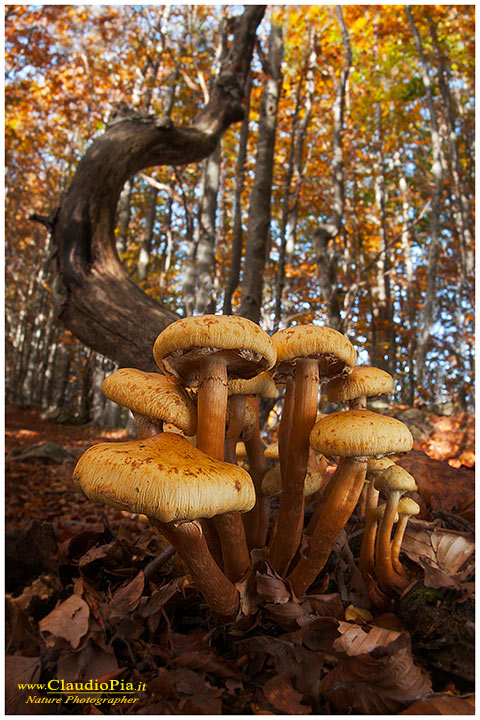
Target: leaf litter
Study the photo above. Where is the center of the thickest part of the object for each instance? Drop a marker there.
(86, 607)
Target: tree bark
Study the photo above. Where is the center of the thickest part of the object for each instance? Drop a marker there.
(326, 253)
(427, 317)
(258, 228)
(94, 297)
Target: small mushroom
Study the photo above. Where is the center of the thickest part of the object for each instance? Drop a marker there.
(361, 383)
(272, 482)
(206, 351)
(394, 482)
(353, 435)
(367, 549)
(248, 393)
(153, 400)
(173, 483)
(308, 353)
(406, 509)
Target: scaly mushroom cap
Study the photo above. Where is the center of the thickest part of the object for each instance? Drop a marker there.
(364, 380)
(272, 482)
(260, 386)
(395, 478)
(271, 452)
(379, 512)
(360, 433)
(163, 477)
(376, 466)
(247, 348)
(334, 352)
(407, 506)
(153, 395)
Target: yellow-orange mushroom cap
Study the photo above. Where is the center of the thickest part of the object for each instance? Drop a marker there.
(163, 477)
(153, 395)
(247, 348)
(360, 433)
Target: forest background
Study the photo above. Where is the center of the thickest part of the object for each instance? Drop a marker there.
(345, 197)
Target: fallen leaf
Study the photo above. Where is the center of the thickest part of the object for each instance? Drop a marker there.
(376, 673)
(280, 692)
(19, 670)
(442, 705)
(68, 621)
(441, 553)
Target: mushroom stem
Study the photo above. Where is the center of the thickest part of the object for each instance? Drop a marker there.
(294, 466)
(349, 479)
(383, 557)
(397, 543)
(256, 521)
(212, 405)
(236, 406)
(286, 420)
(359, 403)
(367, 550)
(188, 540)
(146, 426)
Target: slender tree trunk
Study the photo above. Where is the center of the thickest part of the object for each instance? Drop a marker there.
(288, 224)
(434, 249)
(325, 237)
(237, 233)
(258, 228)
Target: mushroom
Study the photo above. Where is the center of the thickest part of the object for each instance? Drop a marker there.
(204, 352)
(272, 482)
(354, 435)
(406, 508)
(367, 549)
(361, 383)
(174, 484)
(394, 482)
(309, 354)
(246, 394)
(153, 399)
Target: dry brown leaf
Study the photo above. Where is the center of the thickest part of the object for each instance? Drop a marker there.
(441, 486)
(280, 693)
(442, 704)
(19, 670)
(376, 674)
(67, 622)
(440, 552)
(89, 664)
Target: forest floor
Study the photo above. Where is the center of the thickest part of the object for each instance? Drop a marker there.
(88, 596)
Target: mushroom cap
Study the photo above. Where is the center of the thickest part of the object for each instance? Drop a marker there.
(154, 395)
(332, 349)
(247, 348)
(272, 482)
(376, 466)
(360, 433)
(271, 451)
(163, 477)
(362, 380)
(407, 506)
(379, 512)
(240, 450)
(261, 386)
(395, 478)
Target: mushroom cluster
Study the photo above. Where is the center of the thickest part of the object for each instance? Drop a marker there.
(214, 371)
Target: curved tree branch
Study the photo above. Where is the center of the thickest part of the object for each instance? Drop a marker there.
(95, 299)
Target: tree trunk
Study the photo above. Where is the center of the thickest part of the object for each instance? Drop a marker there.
(259, 215)
(326, 252)
(237, 234)
(428, 313)
(94, 297)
